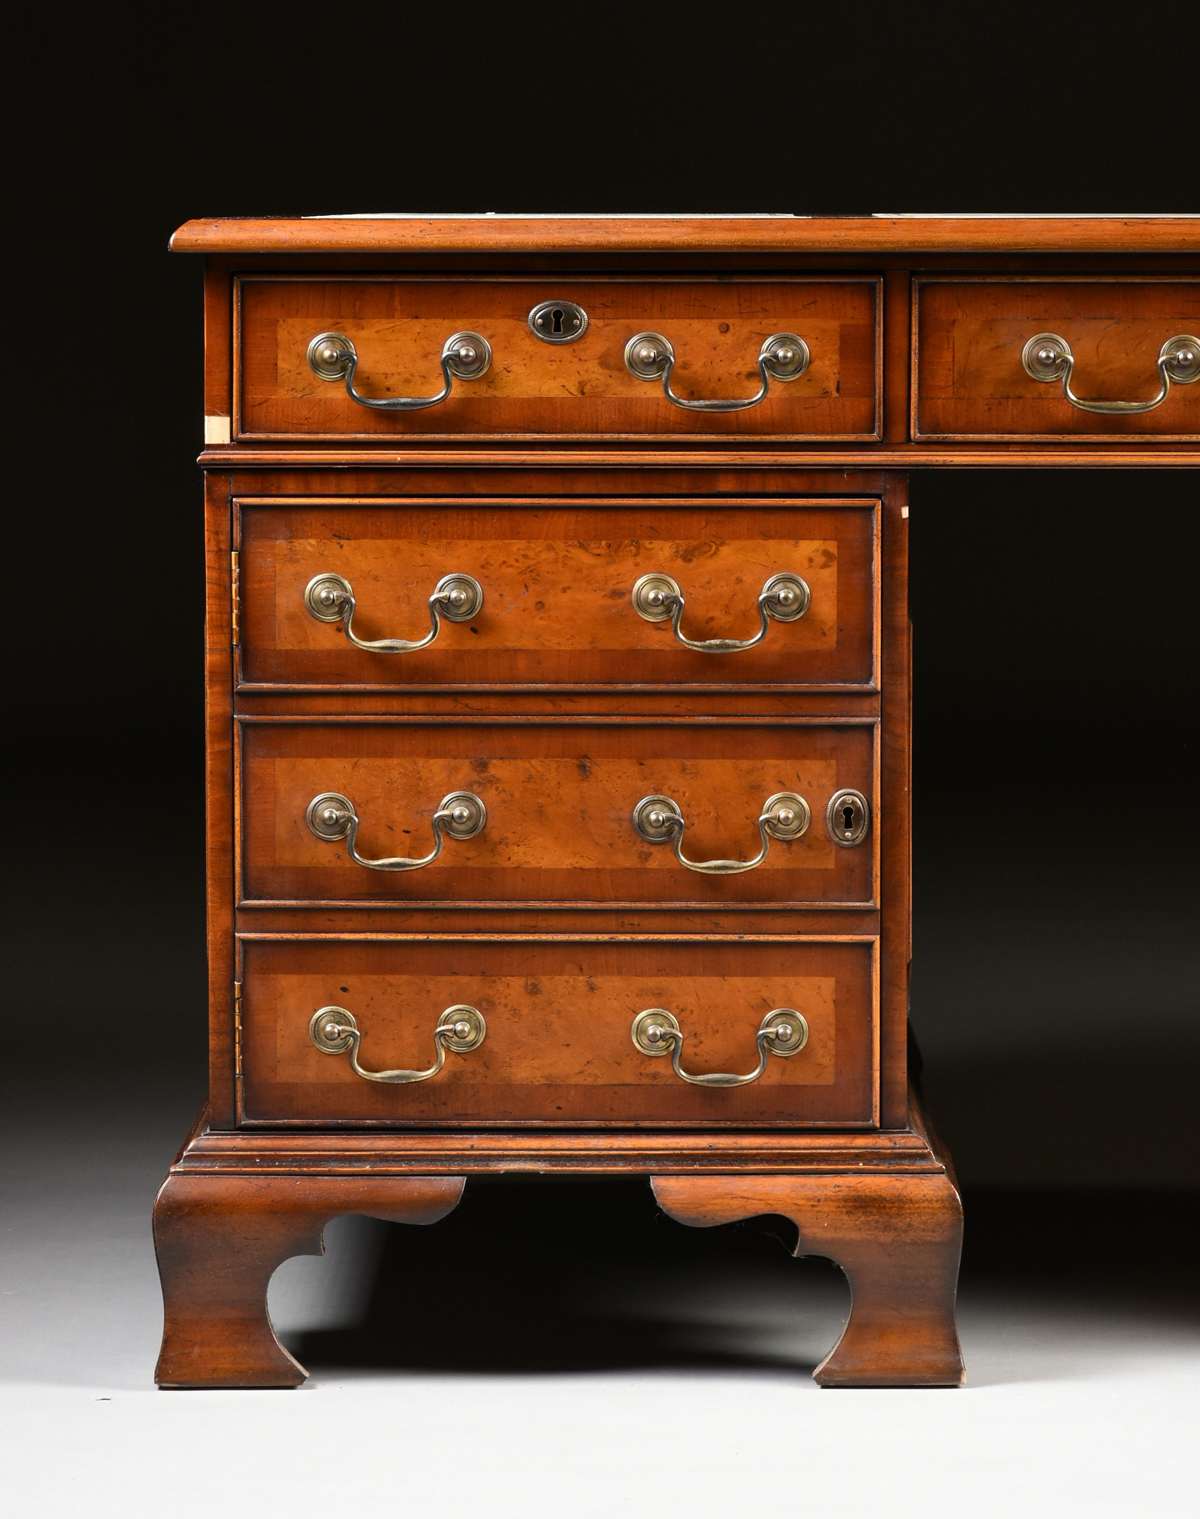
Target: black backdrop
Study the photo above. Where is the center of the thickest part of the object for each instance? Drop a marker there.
(1053, 773)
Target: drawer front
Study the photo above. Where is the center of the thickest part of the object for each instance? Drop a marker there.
(557, 1018)
(971, 382)
(559, 799)
(558, 606)
(535, 389)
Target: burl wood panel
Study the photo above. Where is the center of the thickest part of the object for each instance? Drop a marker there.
(536, 389)
(969, 381)
(558, 1048)
(557, 582)
(560, 797)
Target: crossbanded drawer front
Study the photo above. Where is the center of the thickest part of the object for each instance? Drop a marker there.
(972, 337)
(399, 328)
(548, 812)
(557, 584)
(556, 1018)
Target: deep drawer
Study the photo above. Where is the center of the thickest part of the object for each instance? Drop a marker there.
(398, 328)
(557, 1031)
(558, 584)
(973, 338)
(559, 798)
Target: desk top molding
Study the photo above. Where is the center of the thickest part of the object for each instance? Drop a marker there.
(690, 234)
(905, 456)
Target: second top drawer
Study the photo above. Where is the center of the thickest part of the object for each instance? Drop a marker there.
(543, 593)
(467, 357)
(1008, 357)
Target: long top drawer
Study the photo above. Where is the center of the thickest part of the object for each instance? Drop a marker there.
(818, 340)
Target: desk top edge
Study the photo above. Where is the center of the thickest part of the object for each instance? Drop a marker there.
(602, 234)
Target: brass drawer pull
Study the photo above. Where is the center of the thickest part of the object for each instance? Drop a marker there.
(1047, 357)
(650, 356)
(330, 598)
(782, 1032)
(460, 1028)
(658, 818)
(465, 356)
(331, 816)
(784, 598)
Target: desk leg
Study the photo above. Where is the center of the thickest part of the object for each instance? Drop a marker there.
(219, 1238)
(897, 1237)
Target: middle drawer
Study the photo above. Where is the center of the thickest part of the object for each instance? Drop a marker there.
(599, 814)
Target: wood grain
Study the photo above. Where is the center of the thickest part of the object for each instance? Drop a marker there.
(842, 235)
(1148, 454)
(895, 814)
(220, 738)
(897, 322)
(533, 1150)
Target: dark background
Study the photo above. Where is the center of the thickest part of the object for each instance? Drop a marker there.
(1054, 687)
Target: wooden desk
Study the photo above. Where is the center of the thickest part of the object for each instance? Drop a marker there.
(559, 721)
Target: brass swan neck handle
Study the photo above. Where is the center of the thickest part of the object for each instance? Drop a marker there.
(658, 819)
(658, 597)
(782, 1032)
(334, 1031)
(1048, 357)
(331, 816)
(783, 356)
(465, 356)
(330, 598)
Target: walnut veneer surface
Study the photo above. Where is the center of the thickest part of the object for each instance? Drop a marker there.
(556, 479)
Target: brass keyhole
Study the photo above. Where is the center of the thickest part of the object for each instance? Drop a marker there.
(558, 321)
(848, 817)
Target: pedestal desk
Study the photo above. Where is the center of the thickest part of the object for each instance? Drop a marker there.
(558, 713)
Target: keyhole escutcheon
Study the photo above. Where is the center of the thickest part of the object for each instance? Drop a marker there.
(558, 321)
(848, 817)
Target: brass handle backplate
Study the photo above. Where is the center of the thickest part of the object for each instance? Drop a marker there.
(784, 598)
(331, 816)
(335, 1031)
(650, 356)
(465, 356)
(783, 1032)
(1048, 357)
(785, 816)
(330, 598)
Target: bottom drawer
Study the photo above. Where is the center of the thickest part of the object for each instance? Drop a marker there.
(542, 1031)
